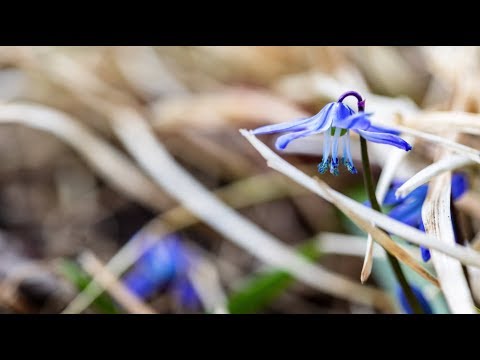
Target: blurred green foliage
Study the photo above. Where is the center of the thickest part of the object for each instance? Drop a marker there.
(264, 288)
(80, 279)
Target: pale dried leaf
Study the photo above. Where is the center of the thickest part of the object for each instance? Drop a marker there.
(206, 281)
(353, 245)
(217, 109)
(309, 87)
(440, 121)
(146, 73)
(117, 289)
(411, 234)
(438, 222)
(452, 162)
(108, 162)
(464, 150)
(387, 243)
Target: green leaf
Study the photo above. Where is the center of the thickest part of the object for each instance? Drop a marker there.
(74, 273)
(259, 292)
(266, 287)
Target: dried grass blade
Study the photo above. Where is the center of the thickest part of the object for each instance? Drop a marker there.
(413, 235)
(461, 121)
(388, 244)
(243, 193)
(464, 150)
(438, 222)
(119, 292)
(353, 245)
(138, 138)
(206, 281)
(449, 163)
(113, 166)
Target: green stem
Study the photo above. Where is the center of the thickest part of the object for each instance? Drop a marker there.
(368, 180)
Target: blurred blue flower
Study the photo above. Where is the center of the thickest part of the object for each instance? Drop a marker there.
(409, 209)
(164, 266)
(335, 120)
(418, 294)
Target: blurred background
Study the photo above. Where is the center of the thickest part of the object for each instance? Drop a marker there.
(85, 193)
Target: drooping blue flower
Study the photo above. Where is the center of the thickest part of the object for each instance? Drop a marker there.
(336, 120)
(164, 265)
(409, 209)
(419, 295)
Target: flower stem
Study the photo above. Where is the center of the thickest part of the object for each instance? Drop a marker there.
(368, 180)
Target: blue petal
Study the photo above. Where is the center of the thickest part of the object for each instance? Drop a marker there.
(158, 265)
(300, 124)
(408, 213)
(412, 219)
(419, 194)
(323, 120)
(383, 129)
(425, 253)
(396, 183)
(317, 122)
(390, 198)
(283, 141)
(384, 138)
(459, 185)
(186, 293)
(354, 121)
(140, 284)
(339, 112)
(421, 227)
(421, 299)
(163, 259)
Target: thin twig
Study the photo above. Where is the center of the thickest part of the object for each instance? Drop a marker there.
(119, 292)
(437, 168)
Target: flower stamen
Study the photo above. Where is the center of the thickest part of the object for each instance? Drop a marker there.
(334, 162)
(322, 167)
(347, 155)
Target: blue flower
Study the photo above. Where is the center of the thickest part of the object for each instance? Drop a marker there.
(164, 265)
(335, 120)
(409, 209)
(418, 294)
